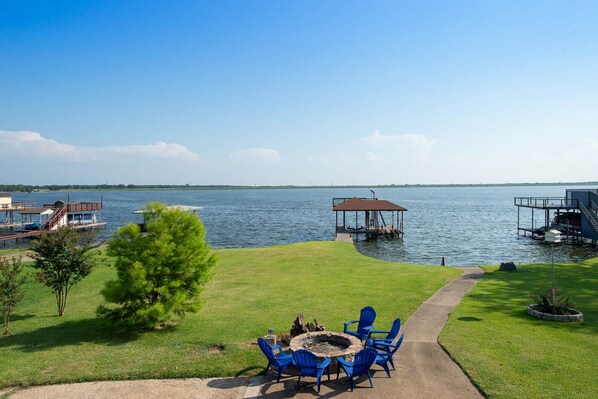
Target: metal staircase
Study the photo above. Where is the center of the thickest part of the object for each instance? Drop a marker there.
(56, 217)
(590, 214)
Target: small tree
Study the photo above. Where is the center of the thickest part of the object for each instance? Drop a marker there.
(63, 259)
(161, 272)
(11, 280)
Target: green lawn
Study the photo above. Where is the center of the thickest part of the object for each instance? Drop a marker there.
(252, 289)
(510, 354)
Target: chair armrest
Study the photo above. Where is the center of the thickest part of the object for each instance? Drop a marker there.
(377, 332)
(368, 328)
(343, 361)
(385, 346)
(347, 323)
(325, 363)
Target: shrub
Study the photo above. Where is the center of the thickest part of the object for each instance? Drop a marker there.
(544, 303)
(11, 293)
(161, 272)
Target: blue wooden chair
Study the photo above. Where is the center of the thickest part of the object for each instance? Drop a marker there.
(308, 366)
(360, 365)
(365, 323)
(282, 361)
(385, 353)
(390, 335)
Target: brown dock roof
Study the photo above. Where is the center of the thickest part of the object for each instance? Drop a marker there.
(358, 204)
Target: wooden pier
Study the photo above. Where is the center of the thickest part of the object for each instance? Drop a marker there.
(20, 234)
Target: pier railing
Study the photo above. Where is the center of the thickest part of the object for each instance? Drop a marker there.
(84, 206)
(15, 206)
(546, 202)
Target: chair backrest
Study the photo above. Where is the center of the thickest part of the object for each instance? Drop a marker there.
(394, 331)
(306, 362)
(366, 318)
(364, 360)
(267, 349)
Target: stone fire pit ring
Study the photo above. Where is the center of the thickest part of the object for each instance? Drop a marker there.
(327, 343)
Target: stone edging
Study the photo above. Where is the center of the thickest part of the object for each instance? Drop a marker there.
(555, 317)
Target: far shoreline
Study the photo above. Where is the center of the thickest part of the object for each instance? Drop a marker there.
(182, 187)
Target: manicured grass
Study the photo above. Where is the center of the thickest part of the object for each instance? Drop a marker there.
(510, 354)
(7, 253)
(252, 289)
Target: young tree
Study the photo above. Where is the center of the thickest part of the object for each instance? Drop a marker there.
(11, 281)
(63, 259)
(161, 272)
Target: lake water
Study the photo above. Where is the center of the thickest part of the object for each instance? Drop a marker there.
(466, 225)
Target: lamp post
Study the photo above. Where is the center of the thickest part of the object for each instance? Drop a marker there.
(553, 237)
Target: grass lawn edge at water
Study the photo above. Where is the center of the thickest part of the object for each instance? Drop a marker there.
(510, 354)
(252, 290)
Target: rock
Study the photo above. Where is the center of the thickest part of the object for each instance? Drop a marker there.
(507, 267)
(301, 327)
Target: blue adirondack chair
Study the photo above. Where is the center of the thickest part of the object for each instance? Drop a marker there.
(390, 335)
(308, 366)
(365, 323)
(359, 366)
(282, 361)
(385, 353)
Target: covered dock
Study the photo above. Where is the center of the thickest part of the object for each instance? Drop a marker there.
(369, 217)
(34, 220)
(575, 215)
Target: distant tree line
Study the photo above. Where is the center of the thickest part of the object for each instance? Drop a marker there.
(23, 188)
(16, 188)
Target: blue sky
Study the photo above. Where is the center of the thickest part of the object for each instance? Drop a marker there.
(298, 92)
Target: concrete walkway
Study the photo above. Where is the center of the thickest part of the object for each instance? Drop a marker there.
(423, 369)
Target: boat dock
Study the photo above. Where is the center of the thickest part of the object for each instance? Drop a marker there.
(369, 221)
(575, 215)
(49, 217)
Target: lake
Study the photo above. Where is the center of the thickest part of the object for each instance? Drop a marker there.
(465, 225)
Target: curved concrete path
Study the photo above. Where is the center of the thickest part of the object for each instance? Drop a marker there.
(424, 370)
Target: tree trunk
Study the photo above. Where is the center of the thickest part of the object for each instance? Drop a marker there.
(6, 320)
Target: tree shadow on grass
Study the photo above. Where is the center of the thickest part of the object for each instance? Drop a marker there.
(70, 333)
(246, 370)
(17, 317)
(469, 318)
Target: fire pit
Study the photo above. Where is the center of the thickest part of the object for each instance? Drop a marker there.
(327, 343)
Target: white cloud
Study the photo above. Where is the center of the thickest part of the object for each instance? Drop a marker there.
(417, 143)
(265, 155)
(160, 149)
(34, 145)
(374, 158)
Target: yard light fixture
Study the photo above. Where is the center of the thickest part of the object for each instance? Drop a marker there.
(553, 237)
